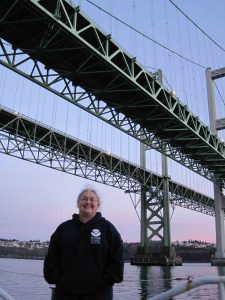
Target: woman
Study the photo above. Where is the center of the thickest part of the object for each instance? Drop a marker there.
(85, 255)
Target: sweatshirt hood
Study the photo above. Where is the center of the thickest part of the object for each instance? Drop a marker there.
(96, 218)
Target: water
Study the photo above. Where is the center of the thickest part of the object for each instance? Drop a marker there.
(23, 280)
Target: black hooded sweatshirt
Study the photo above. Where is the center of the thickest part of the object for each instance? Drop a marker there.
(84, 258)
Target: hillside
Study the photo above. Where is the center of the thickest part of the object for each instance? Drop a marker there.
(191, 251)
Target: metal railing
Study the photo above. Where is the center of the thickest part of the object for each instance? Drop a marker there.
(191, 284)
(5, 296)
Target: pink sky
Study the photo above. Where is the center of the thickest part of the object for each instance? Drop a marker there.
(35, 200)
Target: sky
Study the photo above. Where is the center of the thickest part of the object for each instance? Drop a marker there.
(34, 199)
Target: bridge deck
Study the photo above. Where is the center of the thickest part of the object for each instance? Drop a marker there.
(44, 145)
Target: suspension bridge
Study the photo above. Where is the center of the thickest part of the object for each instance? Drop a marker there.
(53, 44)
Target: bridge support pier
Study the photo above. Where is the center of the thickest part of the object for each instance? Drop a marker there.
(156, 255)
(155, 248)
(219, 259)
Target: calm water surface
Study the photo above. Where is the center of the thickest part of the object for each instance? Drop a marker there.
(23, 280)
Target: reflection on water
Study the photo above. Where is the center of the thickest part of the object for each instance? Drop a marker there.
(152, 277)
(144, 282)
(140, 283)
(23, 280)
(221, 271)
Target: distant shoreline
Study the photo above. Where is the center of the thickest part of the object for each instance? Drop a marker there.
(126, 261)
(190, 253)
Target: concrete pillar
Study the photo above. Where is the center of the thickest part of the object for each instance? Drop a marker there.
(219, 211)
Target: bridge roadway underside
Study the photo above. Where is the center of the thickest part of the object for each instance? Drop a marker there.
(65, 41)
(23, 138)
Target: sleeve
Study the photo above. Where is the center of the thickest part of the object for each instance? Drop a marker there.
(114, 270)
(52, 261)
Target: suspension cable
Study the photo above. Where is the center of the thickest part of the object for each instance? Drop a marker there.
(219, 93)
(146, 36)
(211, 39)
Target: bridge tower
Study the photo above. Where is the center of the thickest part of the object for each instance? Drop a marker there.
(155, 240)
(215, 126)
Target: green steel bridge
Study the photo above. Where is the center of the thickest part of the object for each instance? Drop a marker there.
(35, 142)
(57, 47)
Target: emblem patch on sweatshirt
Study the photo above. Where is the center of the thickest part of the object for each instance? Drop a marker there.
(95, 236)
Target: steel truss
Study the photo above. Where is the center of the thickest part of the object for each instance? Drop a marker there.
(178, 196)
(33, 141)
(69, 55)
(61, 86)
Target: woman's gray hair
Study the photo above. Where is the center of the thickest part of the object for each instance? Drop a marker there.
(89, 190)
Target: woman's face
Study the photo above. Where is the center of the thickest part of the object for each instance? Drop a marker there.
(88, 204)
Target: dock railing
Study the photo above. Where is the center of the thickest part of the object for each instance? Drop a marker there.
(191, 284)
(5, 296)
(180, 289)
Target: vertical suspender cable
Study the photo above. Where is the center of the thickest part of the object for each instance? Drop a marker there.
(3, 84)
